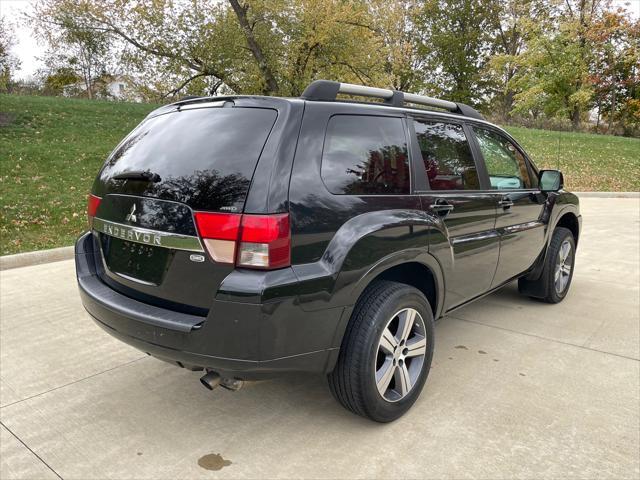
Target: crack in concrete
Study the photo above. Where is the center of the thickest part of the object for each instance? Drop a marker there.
(73, 383)
(29, 448)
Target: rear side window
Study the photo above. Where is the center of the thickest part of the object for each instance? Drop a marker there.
(365, 155)
(447, 156)
(205, 156)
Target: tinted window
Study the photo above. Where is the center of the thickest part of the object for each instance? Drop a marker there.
(506, 165)
(447, 156)
(205, 157)
(365, 155)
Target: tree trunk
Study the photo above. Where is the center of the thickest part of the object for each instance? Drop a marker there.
(575, 118)
(613, 107)
(507, 104)
(87, 84)
(271, 85)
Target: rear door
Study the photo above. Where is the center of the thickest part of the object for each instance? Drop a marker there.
(519, 220)
(468, 247)
(191, 159)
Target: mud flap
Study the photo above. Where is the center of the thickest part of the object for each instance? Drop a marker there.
(531, 284)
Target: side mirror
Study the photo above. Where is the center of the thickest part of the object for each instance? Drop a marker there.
(551, 180)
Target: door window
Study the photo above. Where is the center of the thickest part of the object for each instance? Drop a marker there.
(447, 156)
(506, 165)
(365, 155)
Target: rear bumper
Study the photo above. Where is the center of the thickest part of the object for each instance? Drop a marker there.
(243, 335)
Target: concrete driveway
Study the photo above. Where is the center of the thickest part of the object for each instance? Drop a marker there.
(518, 389)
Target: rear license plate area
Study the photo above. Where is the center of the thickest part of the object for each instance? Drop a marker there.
(136, 261)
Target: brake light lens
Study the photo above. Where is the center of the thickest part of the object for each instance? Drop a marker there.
(265, 241)
(93, 203)
(252, 241)
(219, 231)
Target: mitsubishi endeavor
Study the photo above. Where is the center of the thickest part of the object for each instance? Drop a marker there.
(247, 236)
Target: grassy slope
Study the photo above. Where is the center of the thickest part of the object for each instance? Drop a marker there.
(589, 162)
(51, 151)
(49, 155)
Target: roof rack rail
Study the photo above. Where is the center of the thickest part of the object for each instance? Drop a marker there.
(327, 90)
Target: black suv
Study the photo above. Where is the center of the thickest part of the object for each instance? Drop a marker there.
(248, 236)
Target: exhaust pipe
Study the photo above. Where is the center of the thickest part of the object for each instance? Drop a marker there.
(210, 380)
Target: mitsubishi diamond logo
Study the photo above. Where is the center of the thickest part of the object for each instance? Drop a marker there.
(131, 216)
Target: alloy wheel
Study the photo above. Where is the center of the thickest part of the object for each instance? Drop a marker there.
(400, 356)
(564, 263)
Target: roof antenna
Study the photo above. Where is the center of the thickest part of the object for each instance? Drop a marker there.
(558, 151)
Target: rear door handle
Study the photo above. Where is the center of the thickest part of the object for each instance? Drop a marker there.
(505, 202)
(441, 206)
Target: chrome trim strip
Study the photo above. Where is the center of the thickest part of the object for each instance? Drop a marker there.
(146, 236)
(475, 237)
(133, 279)
(521, 227)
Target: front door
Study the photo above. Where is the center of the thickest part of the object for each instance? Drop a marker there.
(467, 245)
(520, 203)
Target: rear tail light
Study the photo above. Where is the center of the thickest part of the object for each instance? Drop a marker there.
(265, 241)
(93, 203)
(219, 231)
(253, 241)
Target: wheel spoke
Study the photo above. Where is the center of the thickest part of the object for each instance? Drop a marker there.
(566, 269)
(403, 380)
(564, 251)
(417, 347)
(384, 376)
(406, 324)
(399, 357)
(388, 342)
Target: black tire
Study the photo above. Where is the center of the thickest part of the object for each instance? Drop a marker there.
(353, 380)
(546, 284)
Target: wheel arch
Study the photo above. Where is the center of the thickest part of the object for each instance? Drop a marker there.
(413, 267)
(569, 220)
(408, 267)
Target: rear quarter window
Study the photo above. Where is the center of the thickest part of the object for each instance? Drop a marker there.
(365, 155)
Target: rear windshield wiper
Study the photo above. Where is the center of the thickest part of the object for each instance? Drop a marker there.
(143, 175)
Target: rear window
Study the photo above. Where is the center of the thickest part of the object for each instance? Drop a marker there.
(205, 157)
(365, 155)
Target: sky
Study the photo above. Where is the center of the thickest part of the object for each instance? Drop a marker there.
(27, 48)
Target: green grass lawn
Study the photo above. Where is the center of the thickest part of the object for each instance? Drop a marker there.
(50, 152)
(589, 162)
(52, 148)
